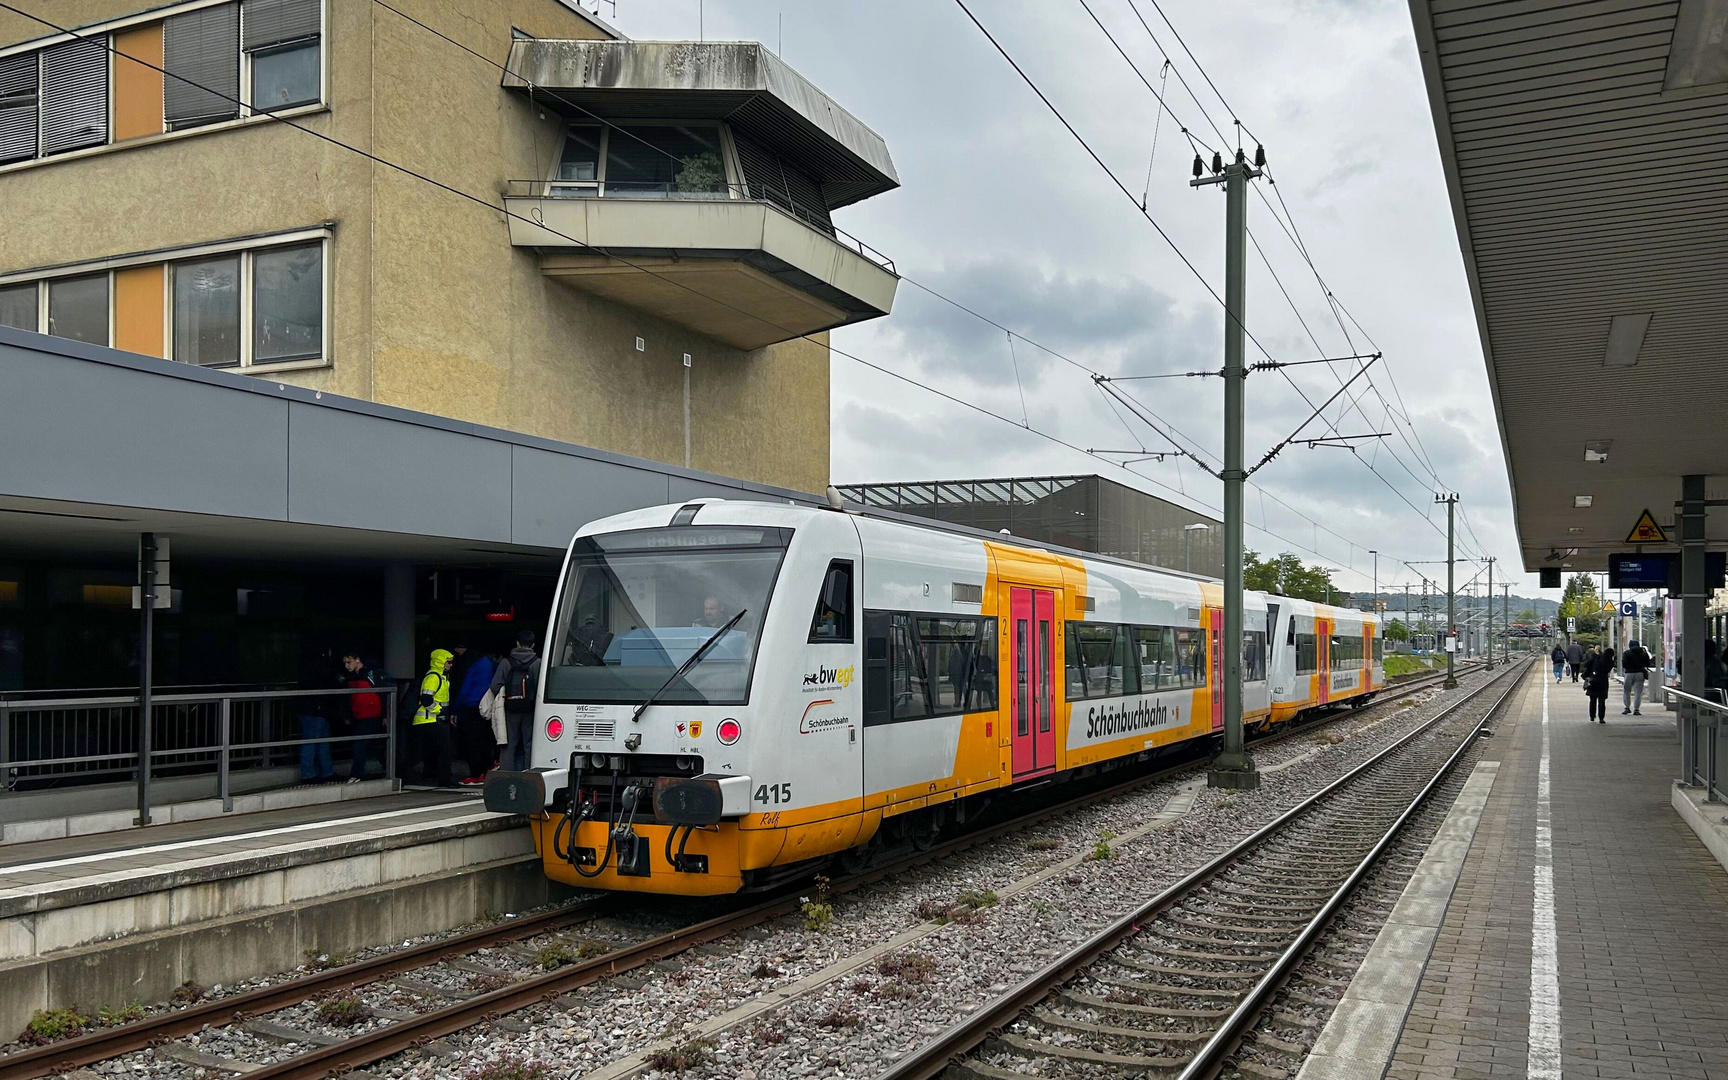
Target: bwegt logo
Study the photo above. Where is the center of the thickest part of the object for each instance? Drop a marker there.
(841, 677)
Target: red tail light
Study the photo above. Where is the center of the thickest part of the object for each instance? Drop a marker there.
(728, 731)
(554, 729)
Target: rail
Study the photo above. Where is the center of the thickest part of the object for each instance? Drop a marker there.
(370, 1047)
(771, 197)
(70, 741)
(1700, 720)
(935, 1057)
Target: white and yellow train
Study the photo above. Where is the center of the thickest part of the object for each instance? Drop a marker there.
(734, 689)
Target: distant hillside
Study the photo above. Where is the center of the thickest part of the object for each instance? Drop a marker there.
(1546, 610)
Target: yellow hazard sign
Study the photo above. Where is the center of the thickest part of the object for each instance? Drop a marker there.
(1646, 531)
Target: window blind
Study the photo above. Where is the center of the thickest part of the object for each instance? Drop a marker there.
(18, 107)
(272, 22)
(74, 95)
(201, 51)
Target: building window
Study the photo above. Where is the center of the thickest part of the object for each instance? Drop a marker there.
(18, 306)
(288, 304)
(656, 161)
(228, 307)
(201, 52)
(74, 101)
(665, 160)
(283, 78)
(579, 167)
(207, 312)
(78, 308)
(18, 82)
(219, 63)
(282, 41)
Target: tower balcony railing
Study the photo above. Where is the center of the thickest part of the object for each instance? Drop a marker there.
(672, 190)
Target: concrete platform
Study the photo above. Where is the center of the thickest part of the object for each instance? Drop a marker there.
(108, 918)
(1584, 937)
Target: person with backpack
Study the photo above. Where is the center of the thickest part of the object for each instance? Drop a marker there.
(1575, 658)
(1598, 666)
(517, 678)
(1559, 658)
(1634, 668)
(431, 727)
(367, 712)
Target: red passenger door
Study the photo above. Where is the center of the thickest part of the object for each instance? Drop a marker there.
(1323, 657)
(1031, 651)
(1215, 675)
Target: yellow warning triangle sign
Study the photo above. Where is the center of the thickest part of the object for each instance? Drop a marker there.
(1646, 531)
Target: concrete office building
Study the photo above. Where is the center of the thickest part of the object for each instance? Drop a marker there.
(367, 380)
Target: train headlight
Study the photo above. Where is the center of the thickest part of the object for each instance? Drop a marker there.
(728, 731)
(554, 729)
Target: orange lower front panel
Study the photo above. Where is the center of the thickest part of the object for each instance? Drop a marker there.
(730, 852)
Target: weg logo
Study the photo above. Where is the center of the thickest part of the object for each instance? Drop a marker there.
(825, 677)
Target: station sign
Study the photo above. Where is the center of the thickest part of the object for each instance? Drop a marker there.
(1628, 609)
(1646, 531)
(1571, 625)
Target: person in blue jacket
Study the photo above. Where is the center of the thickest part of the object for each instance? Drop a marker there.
(474, 740)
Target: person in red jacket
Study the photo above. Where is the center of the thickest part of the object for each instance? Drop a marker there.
(367, 711)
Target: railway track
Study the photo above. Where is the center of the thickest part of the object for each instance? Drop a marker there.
(486, 973)
(1171, 988)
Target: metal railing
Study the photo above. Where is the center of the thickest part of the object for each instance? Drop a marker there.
(1700, 720)
(672, 190)
(56, 743)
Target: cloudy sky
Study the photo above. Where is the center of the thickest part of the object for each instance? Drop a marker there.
(1001, 210)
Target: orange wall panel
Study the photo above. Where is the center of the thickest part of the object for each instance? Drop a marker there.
(137, 88)
(138, 304)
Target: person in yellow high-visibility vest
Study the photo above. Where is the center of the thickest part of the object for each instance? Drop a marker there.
(432, 722)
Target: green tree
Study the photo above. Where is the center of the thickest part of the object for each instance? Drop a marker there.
(1291, 576)
(1580, 601)
(1397, 631)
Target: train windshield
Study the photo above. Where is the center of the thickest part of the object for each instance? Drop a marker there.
(639, 604)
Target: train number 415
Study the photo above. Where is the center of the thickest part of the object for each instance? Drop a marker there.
(774, 793)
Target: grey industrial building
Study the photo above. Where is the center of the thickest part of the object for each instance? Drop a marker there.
(1087, 513)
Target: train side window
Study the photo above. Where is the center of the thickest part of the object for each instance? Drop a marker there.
(1253, 656)
(832, 623)
(1103, 652)
(1155, 650)
(876, 674)
(908, 684)
(1190, 656)
(959, 657)
(1076, 669)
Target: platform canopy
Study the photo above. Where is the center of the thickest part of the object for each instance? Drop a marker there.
(1585, 148)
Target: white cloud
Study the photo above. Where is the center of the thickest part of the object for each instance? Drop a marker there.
(1002, 210)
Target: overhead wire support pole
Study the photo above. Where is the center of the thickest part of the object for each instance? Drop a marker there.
(1450, 498)
(1233, 768)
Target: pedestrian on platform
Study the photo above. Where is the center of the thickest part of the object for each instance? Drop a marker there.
(314, 715)
(473, 731)
(517, 677)
(1559, 658)
(1634, 669)
(1574, 658)
(431, 727)
(1597, 667)
(367, 712)
(1715, 670)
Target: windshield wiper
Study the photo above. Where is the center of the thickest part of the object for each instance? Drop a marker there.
(700, 652)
